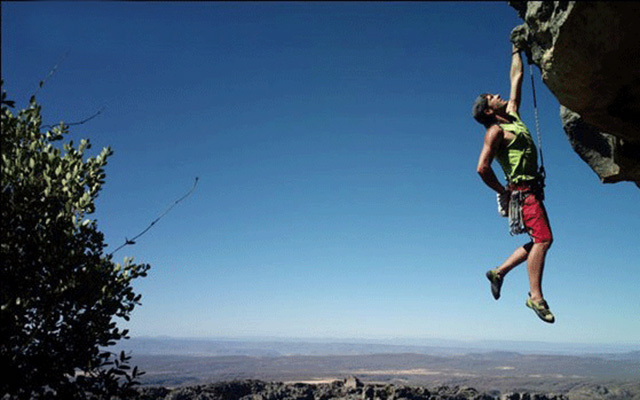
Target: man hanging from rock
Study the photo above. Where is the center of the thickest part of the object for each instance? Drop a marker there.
(508, 140)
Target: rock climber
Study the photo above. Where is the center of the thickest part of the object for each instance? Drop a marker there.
(508, 140)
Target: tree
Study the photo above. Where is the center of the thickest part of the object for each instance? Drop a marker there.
(61, 294)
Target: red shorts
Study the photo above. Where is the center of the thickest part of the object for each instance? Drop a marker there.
(535, 217)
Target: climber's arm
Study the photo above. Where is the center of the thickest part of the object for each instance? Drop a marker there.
(492, 140)
(516, 80)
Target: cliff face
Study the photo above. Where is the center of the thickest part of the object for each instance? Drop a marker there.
(589, 57)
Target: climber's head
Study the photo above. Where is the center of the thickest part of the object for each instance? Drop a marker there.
(486, 107)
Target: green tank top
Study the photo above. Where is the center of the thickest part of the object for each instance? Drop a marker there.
(518, 159)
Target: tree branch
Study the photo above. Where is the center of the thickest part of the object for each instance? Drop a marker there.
(79, 122)
(132, 240)
(53, 71)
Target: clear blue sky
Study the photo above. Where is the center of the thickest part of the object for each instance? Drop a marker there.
(338, 195)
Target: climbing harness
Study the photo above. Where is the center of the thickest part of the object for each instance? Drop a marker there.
(516, 219)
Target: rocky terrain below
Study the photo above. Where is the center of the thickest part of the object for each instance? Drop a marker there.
(185, 369)
(347, 389)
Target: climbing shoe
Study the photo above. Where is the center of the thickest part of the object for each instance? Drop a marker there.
(496, 282)
(542, 310)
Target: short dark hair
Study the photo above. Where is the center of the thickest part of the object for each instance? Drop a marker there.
(478, 108)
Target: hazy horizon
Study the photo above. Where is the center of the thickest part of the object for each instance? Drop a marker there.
(527, 346)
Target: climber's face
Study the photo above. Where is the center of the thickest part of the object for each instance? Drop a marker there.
(495, 103)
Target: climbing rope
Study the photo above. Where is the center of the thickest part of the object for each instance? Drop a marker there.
(535, 109)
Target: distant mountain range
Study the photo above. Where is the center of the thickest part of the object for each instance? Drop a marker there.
(261, 347)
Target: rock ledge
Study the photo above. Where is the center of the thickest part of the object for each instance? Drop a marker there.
(589, 57)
